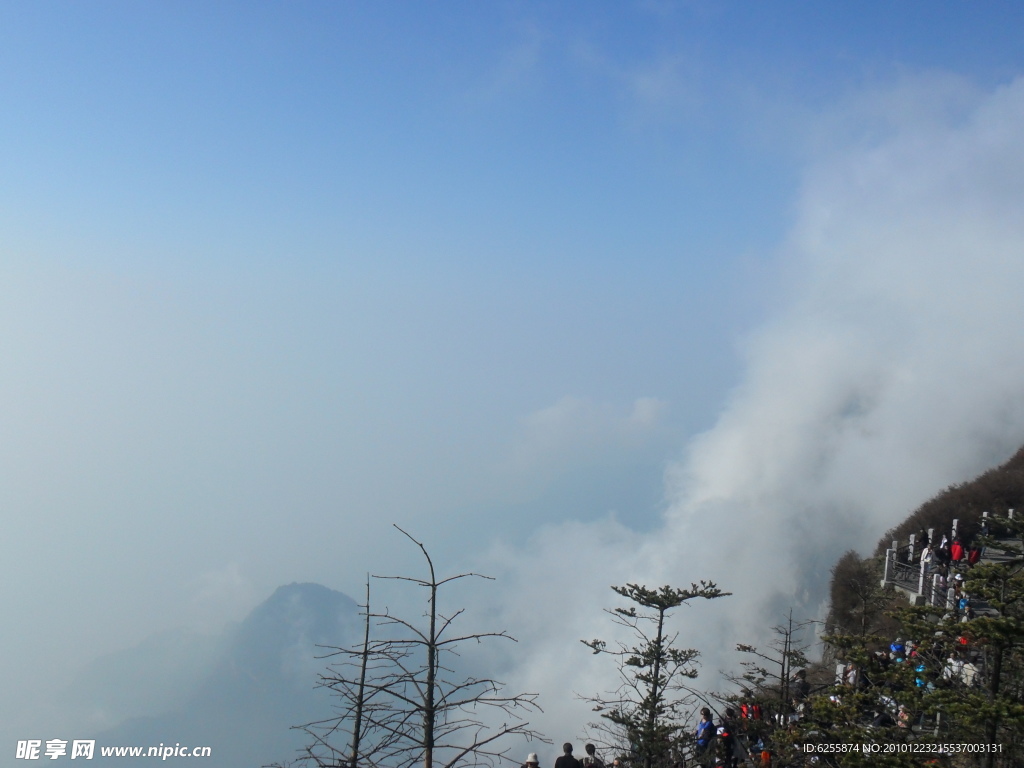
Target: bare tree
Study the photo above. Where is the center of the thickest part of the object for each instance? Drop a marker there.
(769, 678)
(364, 725)
(403, 703)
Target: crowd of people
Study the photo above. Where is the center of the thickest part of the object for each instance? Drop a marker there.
(716, 744)
(950, 560)
(725, 739)
(949, 563)
(567, 760)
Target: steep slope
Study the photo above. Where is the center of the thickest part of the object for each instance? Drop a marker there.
(854, 599)
(995, 492)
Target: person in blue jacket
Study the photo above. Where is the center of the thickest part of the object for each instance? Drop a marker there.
(705, 732)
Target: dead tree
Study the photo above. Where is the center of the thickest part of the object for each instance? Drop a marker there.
(404, 704)
(364, 725)
(769, 679)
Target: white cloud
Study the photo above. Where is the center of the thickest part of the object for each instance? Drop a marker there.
(575, 431)
(895, 369)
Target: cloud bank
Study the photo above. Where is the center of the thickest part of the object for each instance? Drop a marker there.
(893, 369)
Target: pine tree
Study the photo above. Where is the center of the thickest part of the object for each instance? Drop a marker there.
(647, 709)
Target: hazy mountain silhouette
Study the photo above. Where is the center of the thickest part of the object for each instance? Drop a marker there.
(158, 675)
(261, 684)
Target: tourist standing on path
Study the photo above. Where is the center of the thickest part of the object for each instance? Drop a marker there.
(591, 760)
(956, 551)
(730, 747)
(705, 736)
(567, 760)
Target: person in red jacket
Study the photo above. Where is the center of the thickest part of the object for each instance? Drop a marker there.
(956, 551)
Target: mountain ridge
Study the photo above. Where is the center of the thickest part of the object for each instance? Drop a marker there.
(263, 682)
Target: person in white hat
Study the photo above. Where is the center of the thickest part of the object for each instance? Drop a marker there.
(532, 761)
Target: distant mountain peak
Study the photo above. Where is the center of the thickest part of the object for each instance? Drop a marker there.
(264, 681)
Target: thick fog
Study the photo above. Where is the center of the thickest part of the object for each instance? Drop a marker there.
(659, 294)
(892, 370)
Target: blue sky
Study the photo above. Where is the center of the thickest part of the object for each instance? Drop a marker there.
(275, 275)
(480, 137)
(480, 134)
